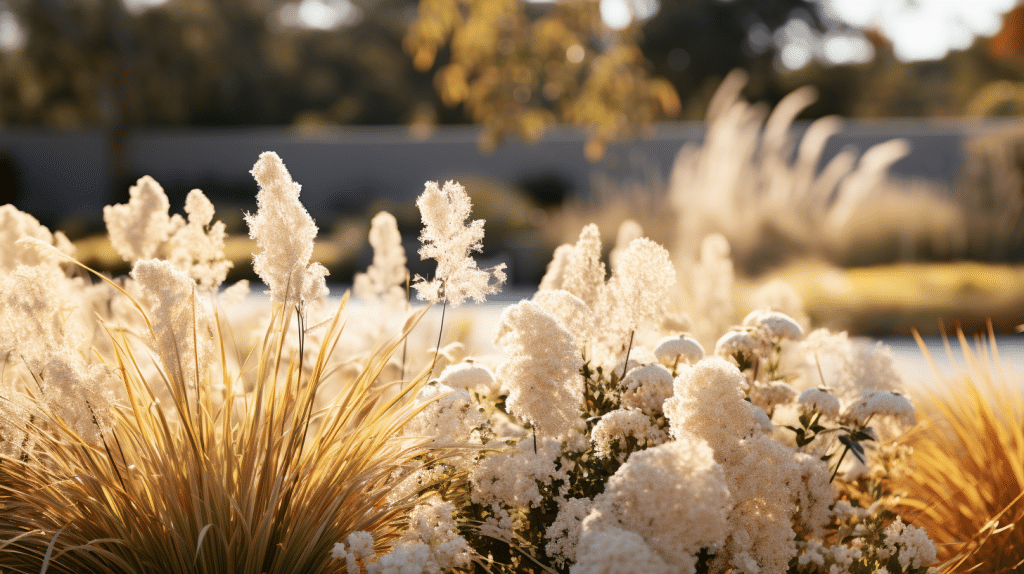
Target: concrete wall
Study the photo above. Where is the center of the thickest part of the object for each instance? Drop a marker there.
(64, 174)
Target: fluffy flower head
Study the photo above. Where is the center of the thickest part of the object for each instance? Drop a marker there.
(15, 225)
(198, 247)
(449, 241)
(774, 324)
(820, 400)
(542, 371)
(182, 328)
(674, 496)
(677, 349)
(647, 388)
(138, 228)
(883, 404)
(284, 233)
(386, 275)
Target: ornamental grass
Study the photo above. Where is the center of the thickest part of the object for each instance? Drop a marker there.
(966, 483)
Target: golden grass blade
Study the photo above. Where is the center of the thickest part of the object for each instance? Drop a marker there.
(966, 486)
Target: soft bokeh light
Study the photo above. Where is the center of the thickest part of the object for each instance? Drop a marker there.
(618, 14)
(139, 6)
(320, 14)
(12, 35)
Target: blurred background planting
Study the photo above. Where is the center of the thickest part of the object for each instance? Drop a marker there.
(867, 152)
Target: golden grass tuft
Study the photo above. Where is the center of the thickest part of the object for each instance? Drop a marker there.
(208, 486)
(966, 484)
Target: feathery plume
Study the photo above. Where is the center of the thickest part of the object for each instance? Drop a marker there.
(542, 371)
(385, 276)
(139, 228)
(446, 239)
(284, 232)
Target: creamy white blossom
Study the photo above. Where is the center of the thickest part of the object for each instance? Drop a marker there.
(449, 241)
(471, 376)
(674, 496)
(915, 549)
(616, 426)
(385, 277)
(284, 233)
(881, 404)
(770, 395)
(138, 228)
(647, 388)
(629, 230)
(198, 246)
(820, 400)
(15, 225)
(571, 312)
(638, 290)
(448, 417)
(181, 319)
(554, 276)
(774, 324)
(564, 533)
(542, 369)
(607, 549)
(676, 349)
(584, 272)
(737, 342)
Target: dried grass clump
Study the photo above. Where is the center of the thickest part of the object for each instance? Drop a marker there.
(140, 432)
(967, 478)
(223, 483)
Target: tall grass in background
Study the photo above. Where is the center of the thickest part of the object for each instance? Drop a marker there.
(768, 193)
(966, 482)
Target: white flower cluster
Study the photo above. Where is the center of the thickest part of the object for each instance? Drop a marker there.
(431, 545)
(647, 388)
(514, 477)
(881, 404)
(615, 427)
(674, 496)
(144, 229)
(15, 225)
(912, 545)
(448, 416)
(542, 370)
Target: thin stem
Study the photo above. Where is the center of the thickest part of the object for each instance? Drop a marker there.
(437, 349)
(834, 472)
(625, 365)
(405, 342)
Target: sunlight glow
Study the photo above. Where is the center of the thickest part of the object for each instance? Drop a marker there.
(140, 6)
(618, 14)
(12, 35)
(319, 14)
(923, 29)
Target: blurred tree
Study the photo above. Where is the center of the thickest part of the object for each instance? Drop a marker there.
(511, 65)
(517, 68)
(203, 62)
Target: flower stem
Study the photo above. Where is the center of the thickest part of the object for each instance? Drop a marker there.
(437, 349)
(625, 365)
(834, 472)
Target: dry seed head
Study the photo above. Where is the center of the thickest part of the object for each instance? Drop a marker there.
(284, 233)
(449, 241)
